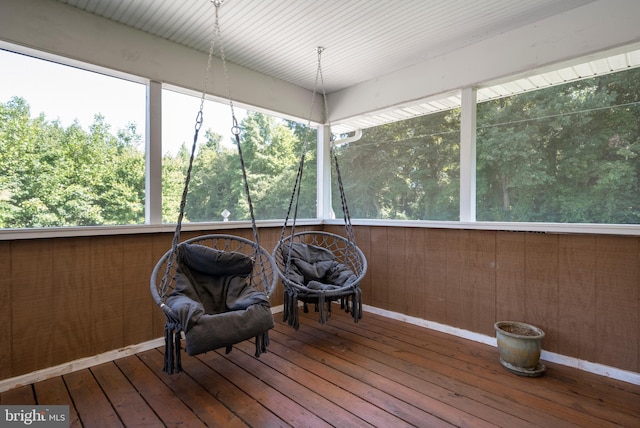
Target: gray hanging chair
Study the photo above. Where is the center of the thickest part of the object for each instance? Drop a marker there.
(214, 288)
(315, 266)
(319, 268)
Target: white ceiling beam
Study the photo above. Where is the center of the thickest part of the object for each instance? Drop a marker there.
(586, 30)
(60, 30)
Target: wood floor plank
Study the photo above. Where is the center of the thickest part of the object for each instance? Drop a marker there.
(21, 395)
(583, 385)
(284, 407)
(169, 408)
(428, 374)
(54, 392)
(93, 407)
(124, 398)
(310, 390)
(528, 392)
(379, 372)
(238, 401)
(447, 404)
(561, 399)
(349, 378)
(208, 408)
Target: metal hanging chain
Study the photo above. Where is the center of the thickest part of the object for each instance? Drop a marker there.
(183, 201)
(351, 239)
(216, 34)
(295, 196)
(235, 129)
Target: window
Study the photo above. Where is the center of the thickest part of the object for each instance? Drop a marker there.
(71, 146)
(271, 149)
(72, 153)
(405, 170)
(567, 153)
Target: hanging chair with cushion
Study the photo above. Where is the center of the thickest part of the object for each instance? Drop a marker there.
(214, 288)
(217, 294)
(319, 267)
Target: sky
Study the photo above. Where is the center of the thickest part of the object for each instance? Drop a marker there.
(67, 94)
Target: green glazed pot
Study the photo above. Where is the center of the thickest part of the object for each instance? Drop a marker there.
(520, 345)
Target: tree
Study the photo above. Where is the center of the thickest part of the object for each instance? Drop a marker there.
(403, 170)
(568, 153)
(67, 177)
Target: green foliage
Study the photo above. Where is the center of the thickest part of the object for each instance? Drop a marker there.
(567, 154)
(271, 150)
(403, 170)
(67, 177)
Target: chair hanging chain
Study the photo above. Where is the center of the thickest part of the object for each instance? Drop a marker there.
(351, 239)
(295, 196)
(235, 129)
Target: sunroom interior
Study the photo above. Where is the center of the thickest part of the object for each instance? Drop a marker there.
(75, 297)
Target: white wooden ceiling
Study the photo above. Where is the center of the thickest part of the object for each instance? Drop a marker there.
(363, 39)
(383, 60)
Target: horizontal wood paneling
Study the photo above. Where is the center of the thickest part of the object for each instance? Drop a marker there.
(69, 298)
(6, 350)
(582, 290)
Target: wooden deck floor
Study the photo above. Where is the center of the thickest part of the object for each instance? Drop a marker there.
(378, 372)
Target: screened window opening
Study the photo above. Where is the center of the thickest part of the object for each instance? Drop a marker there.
(71, 146)
(271, 149)
(567, 153)
(405, 170)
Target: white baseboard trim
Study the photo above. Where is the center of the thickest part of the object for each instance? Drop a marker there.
(80, 364)
(84, 363)
(587, 366)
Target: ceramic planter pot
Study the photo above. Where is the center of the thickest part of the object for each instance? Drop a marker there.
(520, 345)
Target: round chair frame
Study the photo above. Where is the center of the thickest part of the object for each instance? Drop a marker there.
(263, 276)
(345, 252)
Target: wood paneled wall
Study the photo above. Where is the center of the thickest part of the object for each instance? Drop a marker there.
(582, 290)
(67, 298)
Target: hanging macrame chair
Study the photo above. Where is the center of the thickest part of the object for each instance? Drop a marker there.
(214, 288)
(318, 267)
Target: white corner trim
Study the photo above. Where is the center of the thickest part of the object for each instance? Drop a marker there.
(87, 362)
(454, 331)
(587, 366)
(76, 365)
(277, 309)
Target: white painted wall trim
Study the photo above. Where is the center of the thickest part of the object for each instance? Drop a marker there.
(54, 28)
(587, 366)
(81, 364)
(323, 171)
(583, 228)
(88, 362)
(468, 155)
(153, 152)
